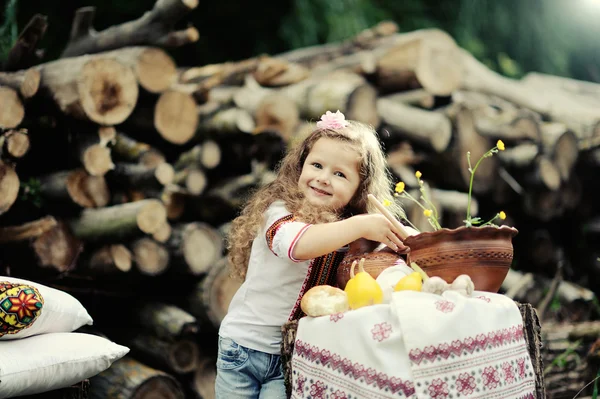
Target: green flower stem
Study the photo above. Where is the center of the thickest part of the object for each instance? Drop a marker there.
(489, 222)
(413, 199)
(472, 170)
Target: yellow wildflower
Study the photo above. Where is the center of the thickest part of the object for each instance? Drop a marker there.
(502, 215)
(418, 174)
(400, 187)
(500, 145)
(387, 202)
(427, 212)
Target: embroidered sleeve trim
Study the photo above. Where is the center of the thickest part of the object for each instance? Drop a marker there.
(295, 241)
(272, 230)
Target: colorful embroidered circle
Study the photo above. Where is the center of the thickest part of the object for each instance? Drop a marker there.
(20, 306)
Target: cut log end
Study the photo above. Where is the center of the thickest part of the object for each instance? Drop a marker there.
(97, 160)
(87, 191)
(9, 187)
(191, 4)
(439, 69)
(163, 234)
(151, 258)
(202, 247)
(12, 111)
(362, 105)
(57, 248)
(107, 134)
(184, 356)
(108, 91)
(151, 217)
(175, 116)
(156, 70)
(549, 174)
(164, 173)
(121, 257)
(31, 83)
(210, 156)
(16, 144)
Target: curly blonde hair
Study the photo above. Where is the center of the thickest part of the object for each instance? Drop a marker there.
(374, 179)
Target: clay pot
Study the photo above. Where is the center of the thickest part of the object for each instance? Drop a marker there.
(378, 257)
(483, 253)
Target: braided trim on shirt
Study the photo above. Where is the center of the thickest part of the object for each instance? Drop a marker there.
(321, 271)
(272, 230)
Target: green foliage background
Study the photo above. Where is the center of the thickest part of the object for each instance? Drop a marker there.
(511, 36)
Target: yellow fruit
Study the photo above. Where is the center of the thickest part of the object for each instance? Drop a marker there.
(362, 289)
(412, 282)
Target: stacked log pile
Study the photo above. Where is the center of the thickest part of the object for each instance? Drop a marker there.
(120, 170)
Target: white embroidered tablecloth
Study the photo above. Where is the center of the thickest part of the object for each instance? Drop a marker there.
(419, 346)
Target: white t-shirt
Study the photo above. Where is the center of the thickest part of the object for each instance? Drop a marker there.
(273, 286)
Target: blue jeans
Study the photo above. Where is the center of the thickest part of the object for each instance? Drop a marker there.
(244, 373)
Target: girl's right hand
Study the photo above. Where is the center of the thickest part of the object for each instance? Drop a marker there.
(376, 227)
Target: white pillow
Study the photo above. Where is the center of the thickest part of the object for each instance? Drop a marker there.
(46, 309)
(53, 361)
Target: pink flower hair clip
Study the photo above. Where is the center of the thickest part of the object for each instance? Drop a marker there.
(329, 120)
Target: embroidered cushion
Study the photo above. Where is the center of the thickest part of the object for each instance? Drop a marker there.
(28, 308)
(52, 361)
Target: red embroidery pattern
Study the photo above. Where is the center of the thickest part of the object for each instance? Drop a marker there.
(465, 383)
(468, 345)
(300, 386)
(271, 231)
(317, 390)
(490, 377)
(381, 331)
(438, 389)
(521, 367)
(336, 317)
(444, 306)
(484, 298)
(339, 395)
(509, 373)
(355, 370)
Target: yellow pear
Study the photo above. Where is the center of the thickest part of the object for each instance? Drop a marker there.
(362, 289)
(412, 282)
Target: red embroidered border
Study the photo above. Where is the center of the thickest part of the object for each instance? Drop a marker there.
(353, 370)
(272, 230)
(468, 345)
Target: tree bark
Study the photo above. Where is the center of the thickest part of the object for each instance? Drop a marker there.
(130, 379)
(152, 28)
(144, 216)
(91, 87)
(142, 177)
(179, 357)
(23, 53)
(579, 116)
(168, 322)
(107, 260)
(129, 150)
(347, 92)
(28, 230)
(431, 129)
(77, 186)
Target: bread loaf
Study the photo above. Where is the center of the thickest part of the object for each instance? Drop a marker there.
(324, 300)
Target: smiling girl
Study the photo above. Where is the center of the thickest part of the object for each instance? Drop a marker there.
(290, 237)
